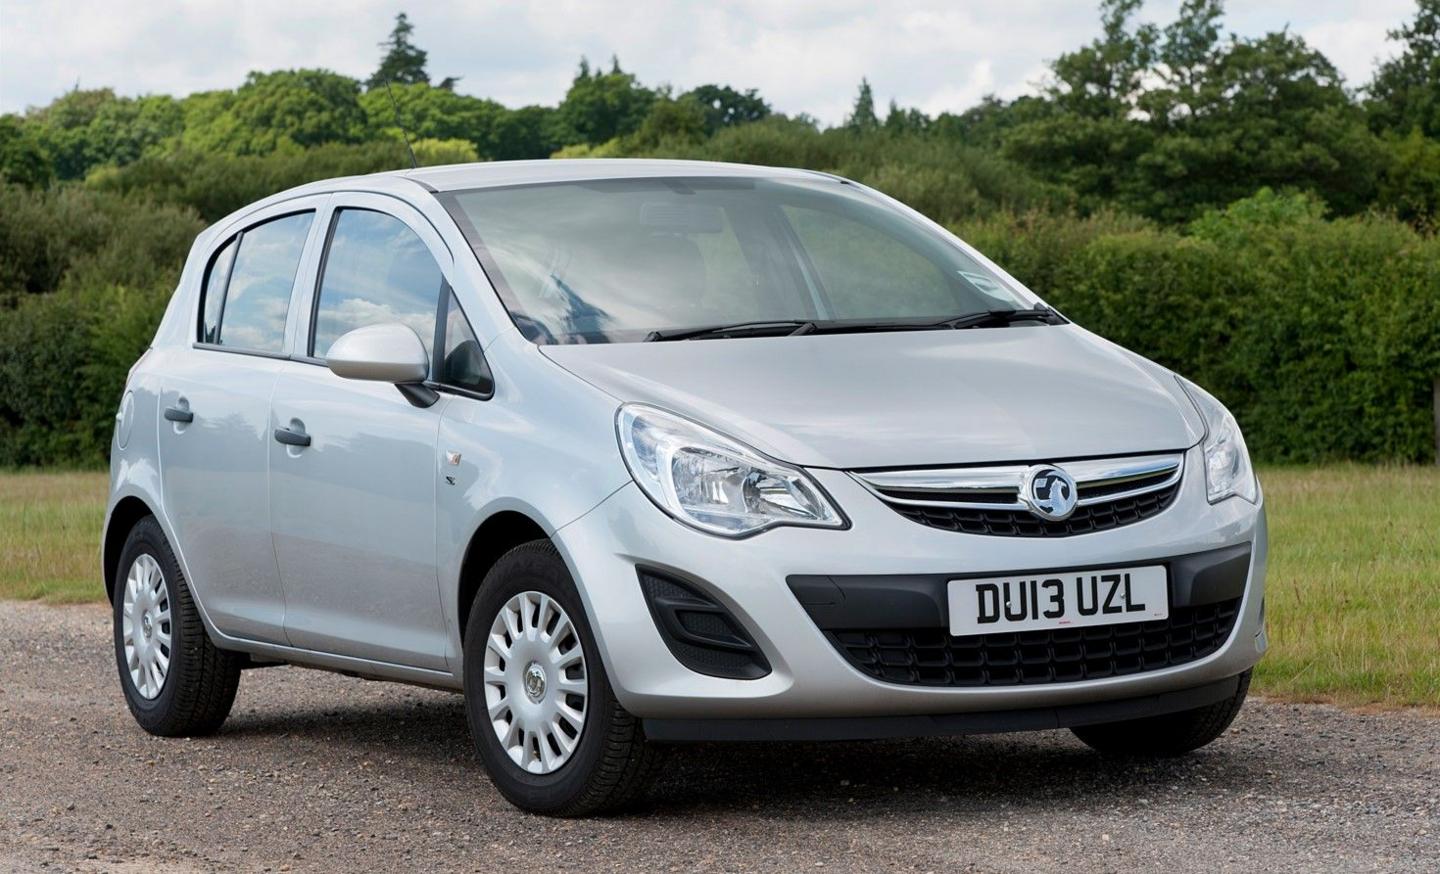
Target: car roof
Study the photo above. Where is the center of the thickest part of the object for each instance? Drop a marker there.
(484, 175)
(460, 177)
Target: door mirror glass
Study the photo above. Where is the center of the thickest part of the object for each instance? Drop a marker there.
(389, 352)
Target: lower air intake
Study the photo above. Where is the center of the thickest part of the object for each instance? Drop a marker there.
(701, 633)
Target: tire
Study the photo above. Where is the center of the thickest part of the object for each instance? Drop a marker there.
(199, 684)
(609, 764)
(1173, 734)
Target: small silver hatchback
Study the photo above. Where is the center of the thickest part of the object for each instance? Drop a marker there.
(644, 452)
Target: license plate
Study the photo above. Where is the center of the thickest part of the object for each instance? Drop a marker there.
(1058, 599)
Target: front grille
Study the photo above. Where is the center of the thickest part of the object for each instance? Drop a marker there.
(1022, 523)
(931, 657)
(1110, 493)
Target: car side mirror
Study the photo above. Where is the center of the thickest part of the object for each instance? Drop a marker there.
(391, 352)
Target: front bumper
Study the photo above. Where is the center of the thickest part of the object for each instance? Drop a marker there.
(809, 677)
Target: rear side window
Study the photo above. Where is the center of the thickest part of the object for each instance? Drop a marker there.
(252, 278)
(215, 280)
(376, 271)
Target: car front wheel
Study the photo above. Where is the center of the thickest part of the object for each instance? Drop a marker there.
(542, 714)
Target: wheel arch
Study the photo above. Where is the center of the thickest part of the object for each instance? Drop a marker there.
(498, 534)
(128, 511)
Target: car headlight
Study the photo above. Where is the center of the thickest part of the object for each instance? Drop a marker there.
(713, 483)
(1227, 462)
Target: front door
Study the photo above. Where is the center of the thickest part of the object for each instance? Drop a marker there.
(353, 465)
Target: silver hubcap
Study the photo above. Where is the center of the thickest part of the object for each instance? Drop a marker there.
(145, 626)
(535, 682)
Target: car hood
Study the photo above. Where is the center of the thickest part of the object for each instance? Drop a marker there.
(914, 398)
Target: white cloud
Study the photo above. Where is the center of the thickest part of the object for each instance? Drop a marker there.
(1354, 46)
(805, 56)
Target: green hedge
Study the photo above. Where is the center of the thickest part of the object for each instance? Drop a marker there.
(64, 357)
(1322, 336)
(68, 234)
(216, 185)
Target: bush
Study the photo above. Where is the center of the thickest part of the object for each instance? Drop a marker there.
(216, 185)
(63, 363)
(97, 237)
(1411, 183)
(944, 179)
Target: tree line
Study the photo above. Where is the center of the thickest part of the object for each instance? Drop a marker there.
(1160, 121)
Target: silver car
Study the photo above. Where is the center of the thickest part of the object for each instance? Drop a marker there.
(636, 453)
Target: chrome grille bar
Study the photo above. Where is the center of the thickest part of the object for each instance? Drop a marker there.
(998, 487)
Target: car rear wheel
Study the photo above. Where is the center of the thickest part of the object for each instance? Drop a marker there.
(176, 682)
(542, 714)
(1173, 734)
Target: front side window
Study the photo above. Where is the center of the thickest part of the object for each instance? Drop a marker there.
(616, 260)
(253, 294)
(377, 270)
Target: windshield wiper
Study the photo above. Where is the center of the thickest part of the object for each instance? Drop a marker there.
(781, 328)
(798, 327)
(1002, 317)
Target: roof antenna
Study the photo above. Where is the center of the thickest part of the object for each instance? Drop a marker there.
(414, 164)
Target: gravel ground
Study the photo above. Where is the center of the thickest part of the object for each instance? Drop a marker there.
(317, 771)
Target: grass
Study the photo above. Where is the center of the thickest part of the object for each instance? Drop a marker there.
(1353, 588)
(50, 536)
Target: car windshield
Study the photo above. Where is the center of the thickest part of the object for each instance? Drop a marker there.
(625, 259)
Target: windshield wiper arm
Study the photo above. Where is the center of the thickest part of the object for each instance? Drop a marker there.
(798, 327)
(780, 328)
(987, 318)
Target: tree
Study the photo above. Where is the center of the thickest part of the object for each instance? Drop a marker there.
(284, 110)
(726, 107)
(672, 121)
(1269, 111)
(22, 156)
(1405, 93)
(601, 106)
(403, 62)
(527, 132)
(1103, 79)
(990, 121)
(862, 118)
(1411, 183)
(1170, 122)
(83, 129)
(1185, 59)
(428, 112)
(905, 121)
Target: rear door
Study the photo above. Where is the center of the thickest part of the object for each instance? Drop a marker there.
(215, 410)
(353, 512)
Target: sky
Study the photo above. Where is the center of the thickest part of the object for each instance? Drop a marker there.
(803, 56)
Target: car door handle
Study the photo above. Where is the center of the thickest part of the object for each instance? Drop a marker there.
(292, 438)
(179, 414)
